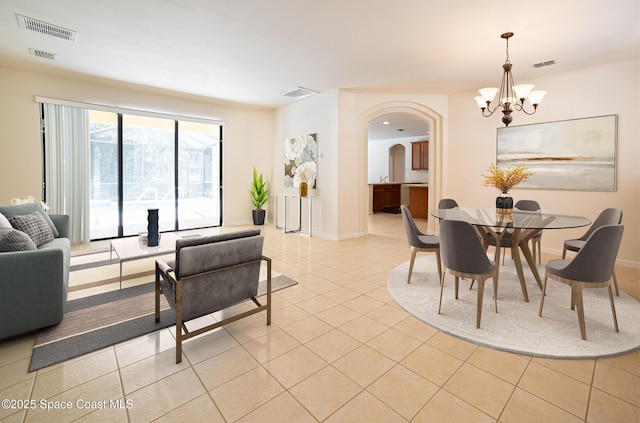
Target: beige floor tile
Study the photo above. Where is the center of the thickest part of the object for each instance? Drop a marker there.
(162, 397)
(363, 304)
(364, 365)
(115, 413)
(452, 345)
(103, 388)
(288, 315)
(394, 344)
(415, 328)
(16, 349)
(323, 286)
(307, 329)
(341, 294)
(245, 393)
(628, 362)
(506, 366)
(524, 407)
(480, 389)
(271, 345)
(432, 364)
(150, 370)
(381, 294)
(248, 329)
(201, 409)
(363, 328)
(556, 388)
(208, 345)
(325, 392)
(447, 408)
(605, 408)
(388, 315)
(338, 315)
(20, 390)
(333, 345)
(224, 367)
(283, 408)
(316, 304)
(365, 408)
(581, 370)
(404, 391)
(15, 372)
(62, 377)
(295, 366)
(144, 347)
(618, 383)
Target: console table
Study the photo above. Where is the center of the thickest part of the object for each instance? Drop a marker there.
(298, 200)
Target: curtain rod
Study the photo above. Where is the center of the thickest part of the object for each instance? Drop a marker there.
(116, 109)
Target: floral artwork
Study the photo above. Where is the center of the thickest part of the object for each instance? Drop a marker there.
(301, 161)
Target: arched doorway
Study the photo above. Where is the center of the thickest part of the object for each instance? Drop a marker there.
(435, 122)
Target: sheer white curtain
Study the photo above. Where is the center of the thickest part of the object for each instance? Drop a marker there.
(66, 131)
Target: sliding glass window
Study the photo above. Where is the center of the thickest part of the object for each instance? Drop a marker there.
(140, 162)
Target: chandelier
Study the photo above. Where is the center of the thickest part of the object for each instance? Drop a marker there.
(512, 97)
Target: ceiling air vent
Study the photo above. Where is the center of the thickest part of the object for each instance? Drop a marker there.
(42, 54)
(543, 64)
(299, 92)
(46, 28)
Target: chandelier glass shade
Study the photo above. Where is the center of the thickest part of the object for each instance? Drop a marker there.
(511, 97)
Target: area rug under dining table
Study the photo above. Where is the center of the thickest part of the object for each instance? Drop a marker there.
(517, 327)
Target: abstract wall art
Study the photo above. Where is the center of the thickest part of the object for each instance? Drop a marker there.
(577, 154)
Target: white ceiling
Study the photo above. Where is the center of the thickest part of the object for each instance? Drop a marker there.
(249, 51)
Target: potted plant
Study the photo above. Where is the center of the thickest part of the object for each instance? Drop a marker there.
(259, 196)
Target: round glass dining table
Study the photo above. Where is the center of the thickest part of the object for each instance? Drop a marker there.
(521, 224)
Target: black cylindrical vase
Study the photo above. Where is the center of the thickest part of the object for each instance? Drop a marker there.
(152, 227)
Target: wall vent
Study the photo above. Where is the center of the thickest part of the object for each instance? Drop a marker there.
(543, 64)
(46, 28)
(42, 54)
(299, 92)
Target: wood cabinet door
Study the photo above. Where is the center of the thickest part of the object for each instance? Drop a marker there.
(420, 155)
(418, 202)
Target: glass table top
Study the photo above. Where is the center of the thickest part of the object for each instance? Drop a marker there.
(517, 219)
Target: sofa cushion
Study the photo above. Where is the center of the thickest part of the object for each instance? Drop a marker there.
(4, 223)
(14, 240)
(26, 208)
(34, 225)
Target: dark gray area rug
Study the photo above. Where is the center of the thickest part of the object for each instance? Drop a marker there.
(102, 320)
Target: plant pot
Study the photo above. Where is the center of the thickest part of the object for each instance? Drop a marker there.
(258, 216)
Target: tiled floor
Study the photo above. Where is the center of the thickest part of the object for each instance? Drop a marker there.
(339, 349)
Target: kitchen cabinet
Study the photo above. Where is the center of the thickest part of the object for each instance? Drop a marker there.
(420, 155)
(418, 202)
(386, 198)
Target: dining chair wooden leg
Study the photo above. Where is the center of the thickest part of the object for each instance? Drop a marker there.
(615, 282)
(414, 251)
(613, 309)
(439, 264)
(495, 292)
(580, 309)
(441, 287)
(456, 286)
(479, 305)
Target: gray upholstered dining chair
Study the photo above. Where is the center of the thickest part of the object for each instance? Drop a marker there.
(590, 268)
(463, 255)
(419, 241)
(447, 203)
(610, 216)
(210, 274)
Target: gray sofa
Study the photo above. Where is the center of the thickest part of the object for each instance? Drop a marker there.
(34, 283)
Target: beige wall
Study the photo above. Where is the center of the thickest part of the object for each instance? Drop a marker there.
(248, 135)
(602, 90)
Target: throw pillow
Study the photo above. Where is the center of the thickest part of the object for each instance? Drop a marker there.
(14, 240)
(34, 225)
(26, 208)
(4, 223)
